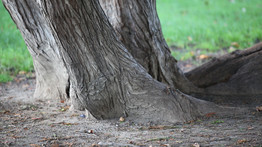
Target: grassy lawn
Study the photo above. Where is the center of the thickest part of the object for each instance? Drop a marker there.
(14, 56)
(209, 25)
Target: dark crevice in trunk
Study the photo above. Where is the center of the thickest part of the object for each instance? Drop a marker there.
(67, 90)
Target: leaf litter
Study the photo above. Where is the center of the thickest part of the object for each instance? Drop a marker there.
(25, 121)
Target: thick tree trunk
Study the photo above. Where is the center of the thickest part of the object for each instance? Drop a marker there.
(223, 79)
(138, 27)
(235, 77)
(104, 78)
(51, 75)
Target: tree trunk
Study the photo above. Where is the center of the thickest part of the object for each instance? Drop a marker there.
(233, 77)
(51, 75)
(138, 27)
(104, 77)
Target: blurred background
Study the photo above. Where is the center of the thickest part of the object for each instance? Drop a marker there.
(195, 30)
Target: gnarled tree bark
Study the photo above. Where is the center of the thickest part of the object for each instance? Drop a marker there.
(130, 73)
(104, 77)
(138, 27)
(227, 78)
(234, 77)
(51, 75)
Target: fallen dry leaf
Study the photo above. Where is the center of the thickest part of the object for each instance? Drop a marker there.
(188, 65)
(189, 38)
(235, 44)
(231, 49)
(159, 127)
(168, 145)
(95, 145)
(46, 139)
(24, 86)
(241, 141)
(68, 124)
(69, 144)
(64, 108)
(73, 115)
(259, 108)
(156, 127)
(161, 139)
(190, 122)
(55, 145)
(210, 114)
(17, 114)
(55, 138)
(202, 57)
(5, 112)
(22, 72)
(121, 119)
(34, 145)
(250, 128)
(15, 137)
(37, 118)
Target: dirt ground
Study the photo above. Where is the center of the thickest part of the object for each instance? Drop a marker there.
(25, 121)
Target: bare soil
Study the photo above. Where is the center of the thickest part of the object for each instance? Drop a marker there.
(25, 121)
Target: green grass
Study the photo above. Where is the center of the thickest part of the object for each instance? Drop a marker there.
(217, 122)
(211, 24)
(14, 56)
(191, 24)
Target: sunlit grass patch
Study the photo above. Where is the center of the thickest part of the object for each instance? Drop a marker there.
(14, 56)
(211, 24)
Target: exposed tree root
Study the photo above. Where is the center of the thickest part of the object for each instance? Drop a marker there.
(234, 77)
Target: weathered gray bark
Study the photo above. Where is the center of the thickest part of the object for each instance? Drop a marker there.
(51, 75)
(233, 77)
(104, 78)
(225, 79)
(138, 27)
